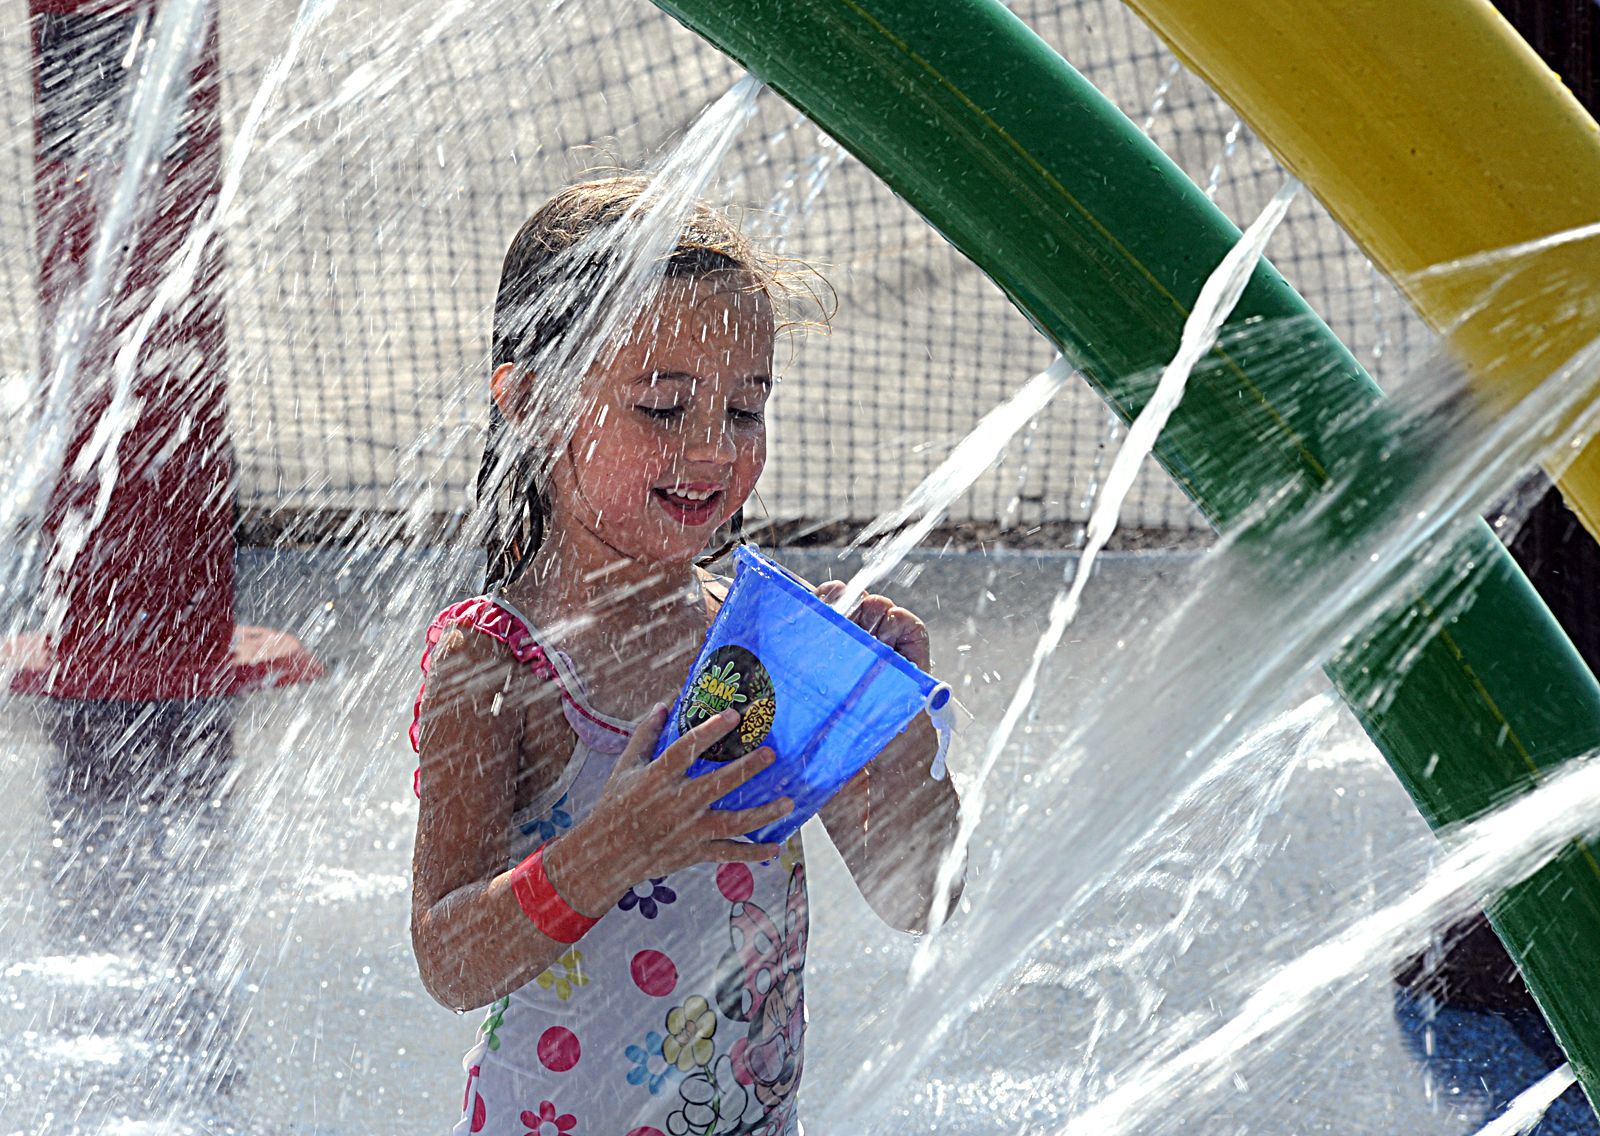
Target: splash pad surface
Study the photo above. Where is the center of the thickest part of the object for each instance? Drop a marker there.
(333, 905)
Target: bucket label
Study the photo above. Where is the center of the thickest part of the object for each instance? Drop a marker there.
(732, 677)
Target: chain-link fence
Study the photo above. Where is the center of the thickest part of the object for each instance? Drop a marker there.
(408, 145)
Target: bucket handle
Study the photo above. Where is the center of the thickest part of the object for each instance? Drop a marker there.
(941, 709)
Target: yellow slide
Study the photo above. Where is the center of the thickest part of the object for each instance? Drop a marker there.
(1432, 133)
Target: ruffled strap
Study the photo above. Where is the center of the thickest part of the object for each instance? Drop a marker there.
(501, 621)
(600, 732)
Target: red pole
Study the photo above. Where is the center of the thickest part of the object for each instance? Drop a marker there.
(149, 596)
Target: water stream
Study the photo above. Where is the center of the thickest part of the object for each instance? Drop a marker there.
(1217, 299)
(131, 155)
(1530, 1106)
(971, 457)
(1179, 693)
(1487, 855)
(260, 926)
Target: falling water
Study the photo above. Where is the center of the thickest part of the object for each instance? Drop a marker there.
(152, 120)
(1218, 296)
(1159, 770)
(1177, 694)
(1489, 854)
(955, 475)
(100, 452)
(1529, 1107)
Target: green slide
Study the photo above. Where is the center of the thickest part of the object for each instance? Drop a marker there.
(1104, 243)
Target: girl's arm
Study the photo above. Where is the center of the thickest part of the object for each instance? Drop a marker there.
(472, 940)
(892, 822)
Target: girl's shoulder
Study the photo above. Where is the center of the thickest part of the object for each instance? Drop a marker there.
(489, 704)
(458, 646)
(478, 650)
(495, 621)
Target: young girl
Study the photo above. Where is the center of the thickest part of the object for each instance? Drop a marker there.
(644, 969)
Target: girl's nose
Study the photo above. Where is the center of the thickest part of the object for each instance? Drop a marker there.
(710, 442)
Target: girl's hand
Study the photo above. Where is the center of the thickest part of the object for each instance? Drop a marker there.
(892, 822)
(879, 617)
(652, 819)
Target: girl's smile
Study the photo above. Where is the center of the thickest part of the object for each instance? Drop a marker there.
(691, 505)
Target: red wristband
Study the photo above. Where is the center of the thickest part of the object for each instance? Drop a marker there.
(540, 902)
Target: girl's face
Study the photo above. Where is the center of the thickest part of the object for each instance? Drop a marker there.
(673, 434)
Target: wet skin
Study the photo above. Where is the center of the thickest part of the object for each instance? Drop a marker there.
(670, 442)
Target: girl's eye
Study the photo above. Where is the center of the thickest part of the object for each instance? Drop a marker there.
(661, 413)
(747, 416)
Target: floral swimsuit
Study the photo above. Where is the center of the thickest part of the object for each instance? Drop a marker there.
(682, 1011)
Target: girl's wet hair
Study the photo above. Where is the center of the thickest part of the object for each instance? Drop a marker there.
(541, 264)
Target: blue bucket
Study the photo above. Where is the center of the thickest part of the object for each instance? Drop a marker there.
(824, 694)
